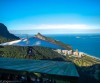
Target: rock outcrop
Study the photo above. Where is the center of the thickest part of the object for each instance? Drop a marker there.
(5, 33)
(40, 36)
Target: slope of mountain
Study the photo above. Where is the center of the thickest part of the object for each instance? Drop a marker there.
(39, 53)
(68, 47)
(5, 33)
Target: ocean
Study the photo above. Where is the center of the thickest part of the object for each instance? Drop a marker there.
(87, 43)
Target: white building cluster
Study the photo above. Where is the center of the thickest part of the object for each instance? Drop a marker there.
(70, 53)
(64, 52)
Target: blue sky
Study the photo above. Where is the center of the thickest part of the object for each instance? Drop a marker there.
(51, 16)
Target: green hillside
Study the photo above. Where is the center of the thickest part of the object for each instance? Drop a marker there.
(38, 53)
(84, 61)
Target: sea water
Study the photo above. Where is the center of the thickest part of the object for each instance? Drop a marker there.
(87, 43)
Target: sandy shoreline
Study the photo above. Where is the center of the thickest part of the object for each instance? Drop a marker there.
(90, 55)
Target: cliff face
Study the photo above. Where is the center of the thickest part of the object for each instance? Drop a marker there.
(66, 46)
(5, 33)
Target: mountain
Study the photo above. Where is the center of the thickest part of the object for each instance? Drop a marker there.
(5, 33)
(66, 46)
(32, 41)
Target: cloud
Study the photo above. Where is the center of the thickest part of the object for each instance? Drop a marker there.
(54, 26)
(55, 31)
(63, 26)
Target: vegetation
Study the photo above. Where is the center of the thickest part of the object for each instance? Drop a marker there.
(38, 53)
(83, 61)
(59, 43)
(88, 67)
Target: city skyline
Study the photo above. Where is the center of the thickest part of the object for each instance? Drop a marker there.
(51, 16)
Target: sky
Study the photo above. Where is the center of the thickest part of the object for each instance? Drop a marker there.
(51, 16)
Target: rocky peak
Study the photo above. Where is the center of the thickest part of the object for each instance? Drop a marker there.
(40, 36)
(3, 29)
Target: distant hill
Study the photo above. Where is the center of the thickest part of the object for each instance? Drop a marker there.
(66, 46)
(4, 33)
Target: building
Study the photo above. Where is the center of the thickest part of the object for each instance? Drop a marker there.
(76, 53)
(81, 54)
(65, 52)
(62, 52)
(58, 50)
(70, 52)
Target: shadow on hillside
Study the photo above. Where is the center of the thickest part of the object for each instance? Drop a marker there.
(89, 74)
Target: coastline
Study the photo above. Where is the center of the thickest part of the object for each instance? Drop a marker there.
(90, 55)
